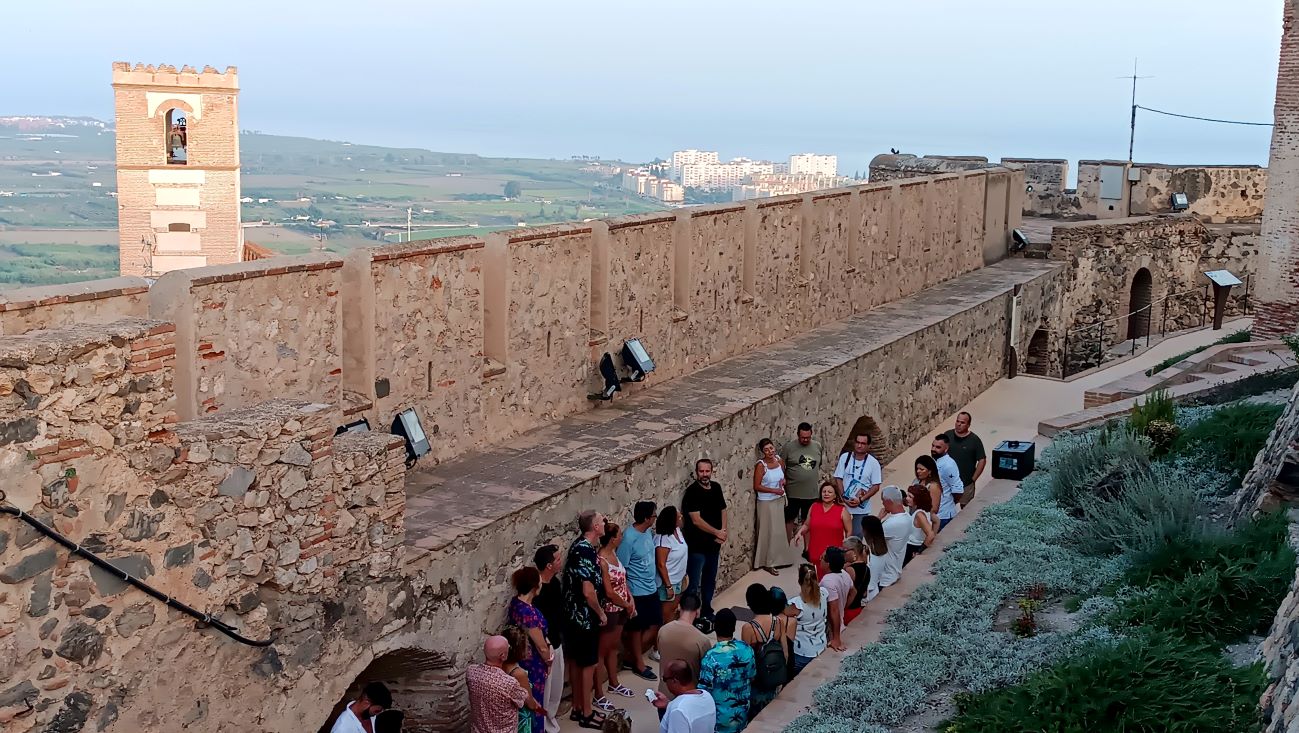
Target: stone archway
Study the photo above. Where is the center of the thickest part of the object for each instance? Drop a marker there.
(425, 685)
(1038, 360)
(866, 424)
(1139, 304)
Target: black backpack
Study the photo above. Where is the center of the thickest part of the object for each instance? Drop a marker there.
(773, 668)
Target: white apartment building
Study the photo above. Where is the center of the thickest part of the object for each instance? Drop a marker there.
(814, 164)
(683, 158)
(783, 184)
(723, 175)
(641, 182)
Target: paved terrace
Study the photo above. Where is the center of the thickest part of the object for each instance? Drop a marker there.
(453, 499)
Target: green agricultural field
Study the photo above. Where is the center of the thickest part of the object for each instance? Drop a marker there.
(364, 189)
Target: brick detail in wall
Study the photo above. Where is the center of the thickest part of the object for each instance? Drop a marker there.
(1278, 307)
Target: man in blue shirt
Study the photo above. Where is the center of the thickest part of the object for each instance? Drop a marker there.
(636, 553)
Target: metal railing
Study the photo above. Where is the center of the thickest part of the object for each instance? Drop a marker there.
(1100, 328)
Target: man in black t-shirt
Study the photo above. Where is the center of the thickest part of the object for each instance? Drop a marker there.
(704, 507)
(550, 602)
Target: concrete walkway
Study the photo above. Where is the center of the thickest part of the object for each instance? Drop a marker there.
(1009, 410)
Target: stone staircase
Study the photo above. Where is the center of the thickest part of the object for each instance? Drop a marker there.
(1197, 374)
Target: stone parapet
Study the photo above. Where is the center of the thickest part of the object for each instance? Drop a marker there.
(53, 306)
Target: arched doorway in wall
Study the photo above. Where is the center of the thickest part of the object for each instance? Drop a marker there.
(866, 425)
(425, 686)
(1039, 354)
(1139, 304)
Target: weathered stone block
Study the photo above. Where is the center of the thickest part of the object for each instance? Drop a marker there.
(39, 603)
(71, 718)
(138, 616)
(23, 693)
(293, 482)
(237, 482)
(137, 566)
(296, 455)
(81, 643)
(29, 567)
(180, 556)
(18, 431)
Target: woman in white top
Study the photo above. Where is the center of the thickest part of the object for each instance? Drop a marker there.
(922, 527)
(809, 636)
(771, 546)
(670, 556)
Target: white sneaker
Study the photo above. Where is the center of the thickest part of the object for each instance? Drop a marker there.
(654, 654)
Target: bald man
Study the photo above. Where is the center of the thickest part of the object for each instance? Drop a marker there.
(494, 696)
(691, 709)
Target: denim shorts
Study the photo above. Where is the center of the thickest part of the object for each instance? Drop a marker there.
(676, 589)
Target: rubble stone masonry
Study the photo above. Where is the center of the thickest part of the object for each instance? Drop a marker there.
(187, 433)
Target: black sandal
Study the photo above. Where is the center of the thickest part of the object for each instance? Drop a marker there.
(594, 722)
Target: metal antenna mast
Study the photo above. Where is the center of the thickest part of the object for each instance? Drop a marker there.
(1132, 125)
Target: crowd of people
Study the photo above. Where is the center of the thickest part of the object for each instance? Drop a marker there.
(593, 614)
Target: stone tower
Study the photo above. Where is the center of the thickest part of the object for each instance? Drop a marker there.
(1278, 293)
(177, 168)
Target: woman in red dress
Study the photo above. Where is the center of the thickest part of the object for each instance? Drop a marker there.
(828, 523)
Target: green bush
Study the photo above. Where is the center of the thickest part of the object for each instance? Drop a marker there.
(1157, 407)
(1231, 435)
(1215, 547)
(1151, 682)
(1224, 588)
(1153, 510)
(1098, 464)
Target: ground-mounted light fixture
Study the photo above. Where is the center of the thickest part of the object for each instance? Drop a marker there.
(408, 426)
(1019, 240)
(359, 426)
(1180, 202)
(611, 381)
(636, 359)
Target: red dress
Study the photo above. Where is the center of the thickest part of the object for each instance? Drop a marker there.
(824, 529)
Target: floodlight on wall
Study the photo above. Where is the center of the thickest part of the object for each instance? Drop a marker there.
(1180, 202)
(1019, 240)
(408, 426)
(611, 381)
(359, 426)
(636, 359)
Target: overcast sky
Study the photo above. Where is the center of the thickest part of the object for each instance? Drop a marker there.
(632, 80)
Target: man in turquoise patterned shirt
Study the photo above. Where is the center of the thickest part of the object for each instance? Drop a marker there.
(727, 673)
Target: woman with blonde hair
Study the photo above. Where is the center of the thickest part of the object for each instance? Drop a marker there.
(866, 557)
(809, 632)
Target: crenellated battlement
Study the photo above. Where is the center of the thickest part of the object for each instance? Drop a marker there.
(126, 74)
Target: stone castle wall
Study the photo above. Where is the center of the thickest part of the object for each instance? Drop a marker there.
(254, 516)
(55, 306)
(488, 338)
(196, 449)
(1218, 194)
(1103, 259)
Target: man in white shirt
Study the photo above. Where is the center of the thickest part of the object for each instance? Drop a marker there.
(374, 699)
(692, 710)
(897, 529)
(949, 475)
(857, 476)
